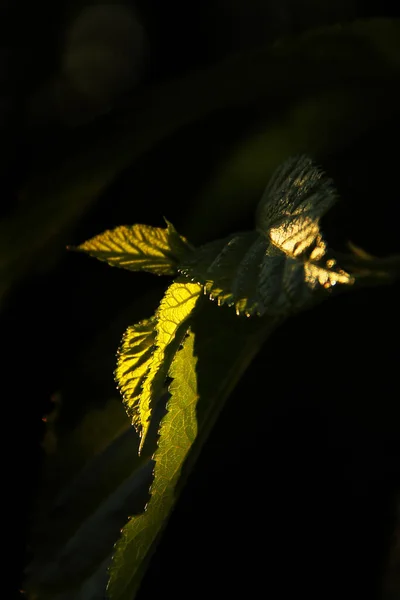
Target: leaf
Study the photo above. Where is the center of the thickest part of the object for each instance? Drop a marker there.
(226, 268)
(214, 355)
(96, 518)
(296, 197)
(148, 349)
(177, 433)
(279, 267)
(133, 364)
(139, 248)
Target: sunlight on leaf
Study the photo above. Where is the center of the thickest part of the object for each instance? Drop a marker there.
(147, 351)
(134, 358)
(296, 197)
(139, 248)
(277, 268)
(214, 356)
(177, 433)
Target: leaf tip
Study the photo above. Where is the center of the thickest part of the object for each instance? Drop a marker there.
(143, 435)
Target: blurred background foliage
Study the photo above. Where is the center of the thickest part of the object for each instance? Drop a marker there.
(120, 112)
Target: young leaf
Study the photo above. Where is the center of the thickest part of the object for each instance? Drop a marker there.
(134, 358)
(279, 267)
(214, 355)
(228, 270)
(296, 197)
(177, 433)
(139, 248)
(148, 349)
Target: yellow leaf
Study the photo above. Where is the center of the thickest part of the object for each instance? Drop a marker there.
(147, 351)
(139, 248)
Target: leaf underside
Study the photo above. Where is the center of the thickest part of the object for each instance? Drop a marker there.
(139, 248)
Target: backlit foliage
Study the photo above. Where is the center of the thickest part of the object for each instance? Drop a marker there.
(279, 268)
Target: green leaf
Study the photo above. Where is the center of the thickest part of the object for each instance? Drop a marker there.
(177, 433)
(225, 269)
(279, 267)
(213, 357)
(139, 248)
(134, 359)
(148, 349)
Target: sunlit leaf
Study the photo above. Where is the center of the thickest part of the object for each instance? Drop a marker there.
(139, 248)
(296, 197)
(134, 358)
(214, 355)
(177, 433)
(147, 352)
(277, 268)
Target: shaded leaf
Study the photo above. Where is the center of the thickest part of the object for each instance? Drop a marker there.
(139, 248)
(83, 470)
(89, 545)
(279, 267)
(228, 270)
(91, 589)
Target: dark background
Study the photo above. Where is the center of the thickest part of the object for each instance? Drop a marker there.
(305, 502)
